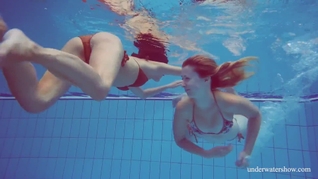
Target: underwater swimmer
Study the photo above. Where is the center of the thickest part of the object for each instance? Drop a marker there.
(207, 112)
(94, 63)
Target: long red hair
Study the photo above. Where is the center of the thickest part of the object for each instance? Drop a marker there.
(228, 74)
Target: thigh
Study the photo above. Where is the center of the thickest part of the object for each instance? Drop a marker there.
(34, 95)
(106, 57)
(52, 86)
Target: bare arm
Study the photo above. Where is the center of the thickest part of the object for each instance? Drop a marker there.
(180, 129)
(143, 94)
(178, 98)
(242, 106)
(153, 91)
(169, 69)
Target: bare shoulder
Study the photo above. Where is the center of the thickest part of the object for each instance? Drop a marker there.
(229, 100)
(184, 103)
(181, 118)
(184, 108)
(236, 104)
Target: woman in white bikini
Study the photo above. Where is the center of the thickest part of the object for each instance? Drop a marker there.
(214, 115)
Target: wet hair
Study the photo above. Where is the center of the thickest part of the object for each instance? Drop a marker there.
(150, 48)
(228, 74)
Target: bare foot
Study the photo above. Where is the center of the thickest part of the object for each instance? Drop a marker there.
(16, 46)
(3, 28)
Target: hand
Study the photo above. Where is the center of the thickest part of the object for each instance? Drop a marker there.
(175, 84)
(243, 160)
(219, 151)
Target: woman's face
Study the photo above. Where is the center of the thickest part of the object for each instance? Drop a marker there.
(192, 82)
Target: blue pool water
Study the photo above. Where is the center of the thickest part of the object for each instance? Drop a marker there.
(124, 137)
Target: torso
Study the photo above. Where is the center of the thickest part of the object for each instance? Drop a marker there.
(218, 138)
(211, 121)
(128, 73)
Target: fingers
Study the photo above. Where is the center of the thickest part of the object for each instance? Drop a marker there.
(242, 163)
(176, 84)
(243, 160)
(238, 163)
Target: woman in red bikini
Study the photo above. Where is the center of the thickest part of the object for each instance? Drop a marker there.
(94, 63)
(207, 112)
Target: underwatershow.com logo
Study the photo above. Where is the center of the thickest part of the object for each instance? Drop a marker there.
(275, 169)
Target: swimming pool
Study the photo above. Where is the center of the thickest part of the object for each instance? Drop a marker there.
(125, 137)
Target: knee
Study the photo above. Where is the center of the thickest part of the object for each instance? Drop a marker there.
(34, 107)
(13, 31)
(101, 93)
(33, 110)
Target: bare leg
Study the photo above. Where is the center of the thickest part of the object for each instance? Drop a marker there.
(34, 96)
(106, 57)
(18, 47)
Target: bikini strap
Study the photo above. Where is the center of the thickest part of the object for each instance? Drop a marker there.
(193, 113)
(218, 106)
